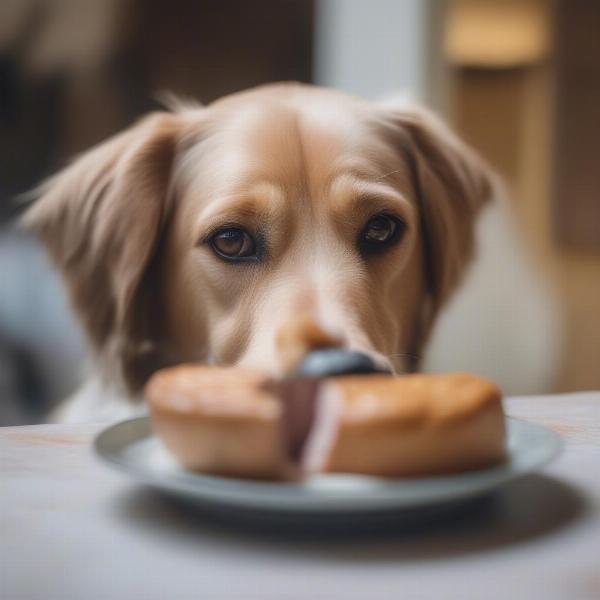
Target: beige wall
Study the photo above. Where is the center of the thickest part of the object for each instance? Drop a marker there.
(509, 115)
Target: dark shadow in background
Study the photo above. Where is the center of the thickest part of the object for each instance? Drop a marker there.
(197, 49)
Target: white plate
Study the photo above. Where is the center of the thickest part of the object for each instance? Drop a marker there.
(131, 446)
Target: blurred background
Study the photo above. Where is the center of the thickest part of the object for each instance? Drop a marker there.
(518, 79)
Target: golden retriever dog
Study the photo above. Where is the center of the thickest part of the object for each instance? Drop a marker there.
(203, 233)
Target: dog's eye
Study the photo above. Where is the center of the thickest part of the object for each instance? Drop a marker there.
(380, 232)
(233, 243)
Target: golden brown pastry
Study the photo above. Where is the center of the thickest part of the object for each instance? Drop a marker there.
(405, 426)
(218, 420)
(238, 422)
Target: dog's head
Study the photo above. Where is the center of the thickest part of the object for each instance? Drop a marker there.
(206, 233)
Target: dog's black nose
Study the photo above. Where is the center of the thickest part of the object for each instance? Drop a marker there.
(325, 362)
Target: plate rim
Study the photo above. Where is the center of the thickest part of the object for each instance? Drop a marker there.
(253, 495)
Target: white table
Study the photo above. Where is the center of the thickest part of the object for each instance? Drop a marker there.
(71, 528)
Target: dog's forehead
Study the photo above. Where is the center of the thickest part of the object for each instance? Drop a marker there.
(291, 142)
(294, 143)
(299, 147)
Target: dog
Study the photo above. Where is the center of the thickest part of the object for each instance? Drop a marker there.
(201, 233)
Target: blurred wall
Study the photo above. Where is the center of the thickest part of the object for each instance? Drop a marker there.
(523, 86)
(371, 48)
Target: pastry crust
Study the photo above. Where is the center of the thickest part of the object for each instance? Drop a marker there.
(237, 422)
(412, 426)
(218, 420)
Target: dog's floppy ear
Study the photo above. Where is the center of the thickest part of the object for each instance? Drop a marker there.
(101, 220)
(451, 184)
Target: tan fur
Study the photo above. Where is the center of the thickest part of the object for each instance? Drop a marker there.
(306, 166)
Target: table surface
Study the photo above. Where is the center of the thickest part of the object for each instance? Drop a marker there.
(71, 528)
